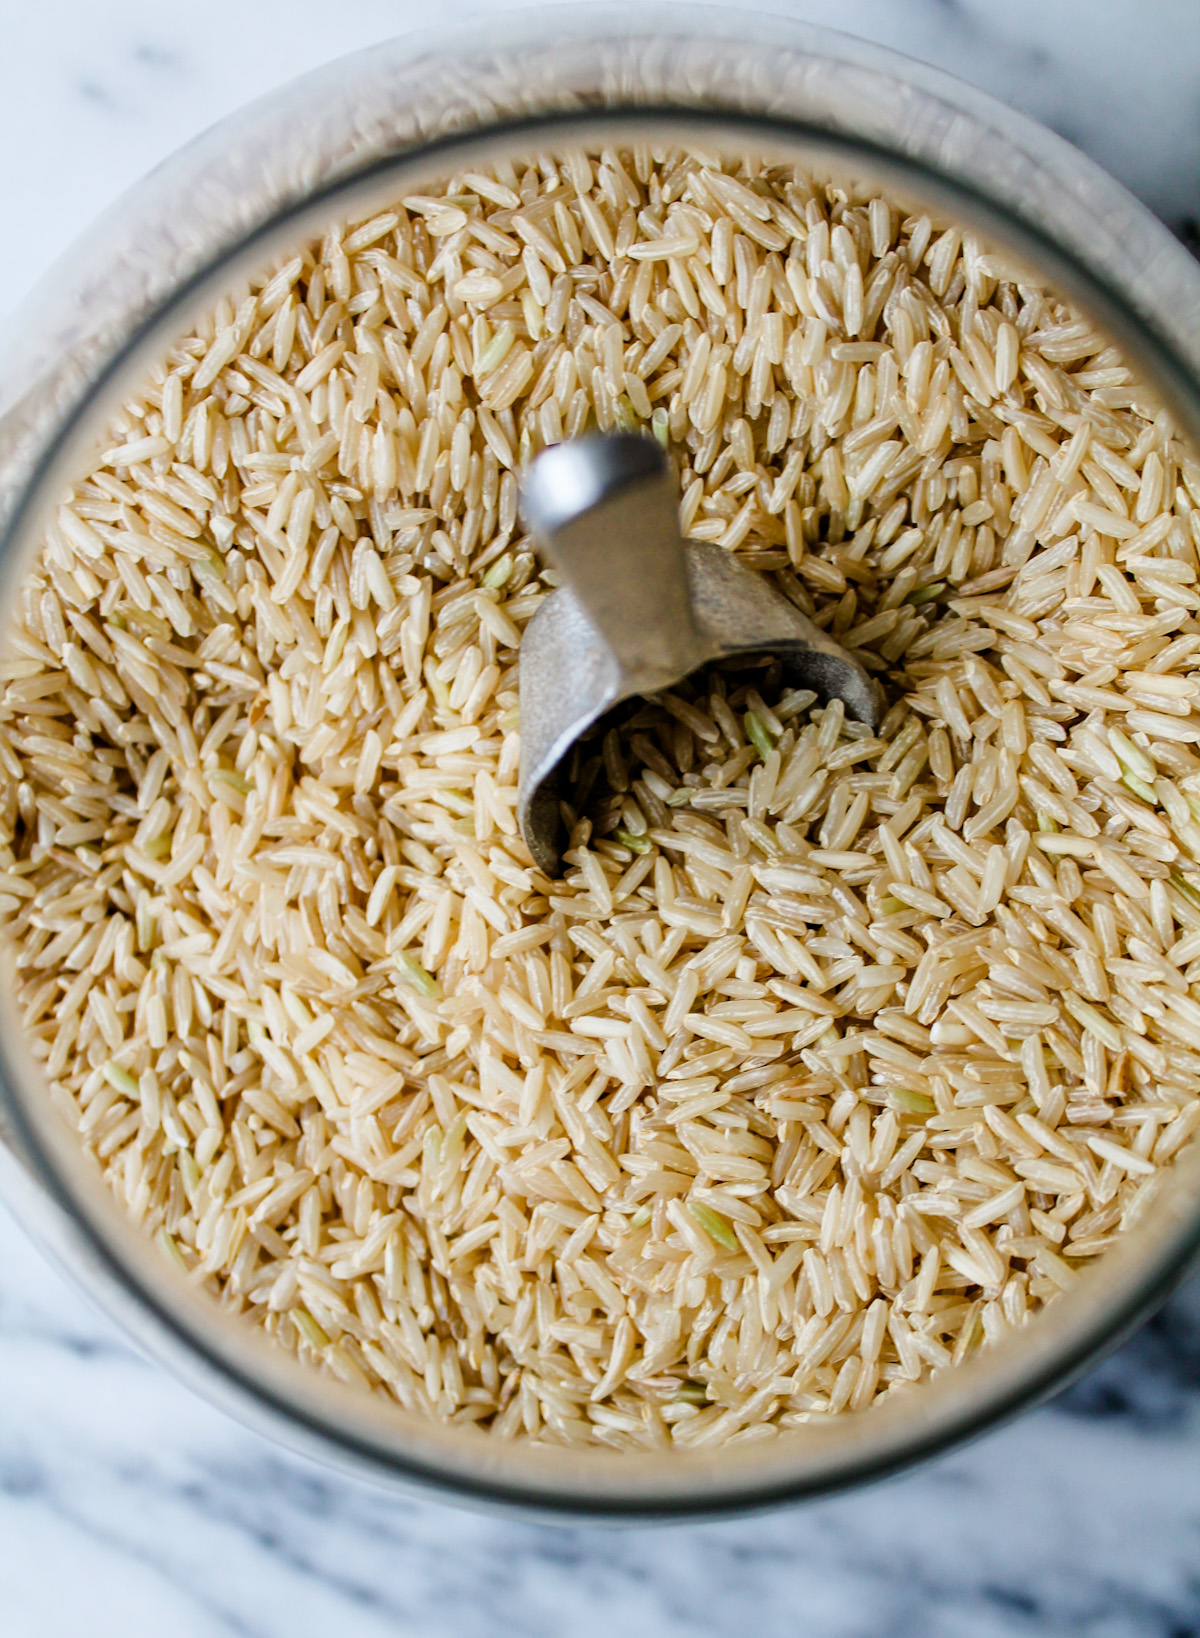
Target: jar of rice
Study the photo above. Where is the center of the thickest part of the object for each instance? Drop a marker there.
(840, 1094)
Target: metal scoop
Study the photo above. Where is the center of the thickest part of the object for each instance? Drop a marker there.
(641, 610)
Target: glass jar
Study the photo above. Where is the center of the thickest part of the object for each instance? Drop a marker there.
(363, 131)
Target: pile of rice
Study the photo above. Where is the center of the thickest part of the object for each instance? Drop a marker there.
(834, 1055)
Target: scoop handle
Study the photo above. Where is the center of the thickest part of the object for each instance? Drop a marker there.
(606, 512)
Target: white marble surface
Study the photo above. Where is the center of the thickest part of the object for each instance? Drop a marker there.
(94, 92)
(129, 1507)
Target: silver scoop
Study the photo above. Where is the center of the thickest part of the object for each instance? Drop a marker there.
(640, 611)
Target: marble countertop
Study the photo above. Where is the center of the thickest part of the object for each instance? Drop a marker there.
(129, 1506)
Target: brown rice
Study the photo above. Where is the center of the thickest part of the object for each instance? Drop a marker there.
(834, 1054)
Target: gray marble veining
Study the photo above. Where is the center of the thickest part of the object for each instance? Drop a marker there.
(128, 1506)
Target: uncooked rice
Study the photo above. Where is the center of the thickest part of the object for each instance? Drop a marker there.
(835, 1054)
